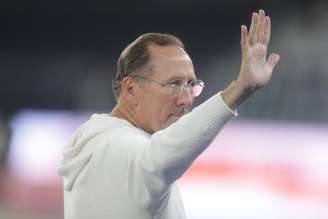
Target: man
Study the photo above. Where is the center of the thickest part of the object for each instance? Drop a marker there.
(124, 165)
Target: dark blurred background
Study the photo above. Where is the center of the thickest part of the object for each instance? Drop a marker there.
(60, 55)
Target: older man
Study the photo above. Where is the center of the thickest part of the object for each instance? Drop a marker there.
(124, 165)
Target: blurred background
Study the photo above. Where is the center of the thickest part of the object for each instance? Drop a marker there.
(57, 60)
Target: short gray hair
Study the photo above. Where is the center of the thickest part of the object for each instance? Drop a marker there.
(136, 56)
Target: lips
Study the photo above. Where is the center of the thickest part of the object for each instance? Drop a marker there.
(177, 114)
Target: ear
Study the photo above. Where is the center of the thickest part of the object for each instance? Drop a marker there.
(129, 90)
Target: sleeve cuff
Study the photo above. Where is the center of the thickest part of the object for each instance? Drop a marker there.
(234, 112)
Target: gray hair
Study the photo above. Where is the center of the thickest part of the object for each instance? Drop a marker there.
(136, 56)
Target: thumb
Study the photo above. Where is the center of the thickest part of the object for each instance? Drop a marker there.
(273, 60)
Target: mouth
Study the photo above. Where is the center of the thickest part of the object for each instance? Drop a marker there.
(176, 115)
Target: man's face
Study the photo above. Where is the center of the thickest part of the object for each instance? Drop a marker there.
(157, 109)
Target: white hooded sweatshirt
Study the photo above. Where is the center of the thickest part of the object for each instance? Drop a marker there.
(114, 170)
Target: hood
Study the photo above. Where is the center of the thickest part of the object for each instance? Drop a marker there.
(79, 150)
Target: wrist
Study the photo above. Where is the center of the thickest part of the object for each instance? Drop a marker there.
(244, 88)
(236, 93)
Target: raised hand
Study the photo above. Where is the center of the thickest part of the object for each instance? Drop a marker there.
(256, 69)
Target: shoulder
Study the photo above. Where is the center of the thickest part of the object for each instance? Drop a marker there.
(114, 132)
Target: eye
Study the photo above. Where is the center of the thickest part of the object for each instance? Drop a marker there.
(192, 83)
(175, 83)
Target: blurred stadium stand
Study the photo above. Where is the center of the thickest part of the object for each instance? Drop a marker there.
(63, 56)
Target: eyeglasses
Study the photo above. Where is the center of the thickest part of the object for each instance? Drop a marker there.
(175, 87)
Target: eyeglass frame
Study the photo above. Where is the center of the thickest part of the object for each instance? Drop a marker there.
(179, 89)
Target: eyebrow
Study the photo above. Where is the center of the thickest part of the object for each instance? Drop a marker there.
(180, 78)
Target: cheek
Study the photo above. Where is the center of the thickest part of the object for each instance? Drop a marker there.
(159, 113)
(157, 109)
(165, 113)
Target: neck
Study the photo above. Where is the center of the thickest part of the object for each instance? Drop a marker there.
(123, 111)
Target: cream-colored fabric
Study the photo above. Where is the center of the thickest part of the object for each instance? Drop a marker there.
(112, 169)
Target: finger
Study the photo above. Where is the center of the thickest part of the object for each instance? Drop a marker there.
(243, 37)
(252, 30)
(260, 26)
(272, 61)
(267, 31)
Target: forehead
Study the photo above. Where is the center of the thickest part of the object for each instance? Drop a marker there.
(171, 62)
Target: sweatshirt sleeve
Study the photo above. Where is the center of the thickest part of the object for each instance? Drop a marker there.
(169, 152)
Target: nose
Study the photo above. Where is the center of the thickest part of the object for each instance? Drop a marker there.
(185, 98)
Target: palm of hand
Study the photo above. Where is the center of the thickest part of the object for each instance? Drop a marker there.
(256, 70)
